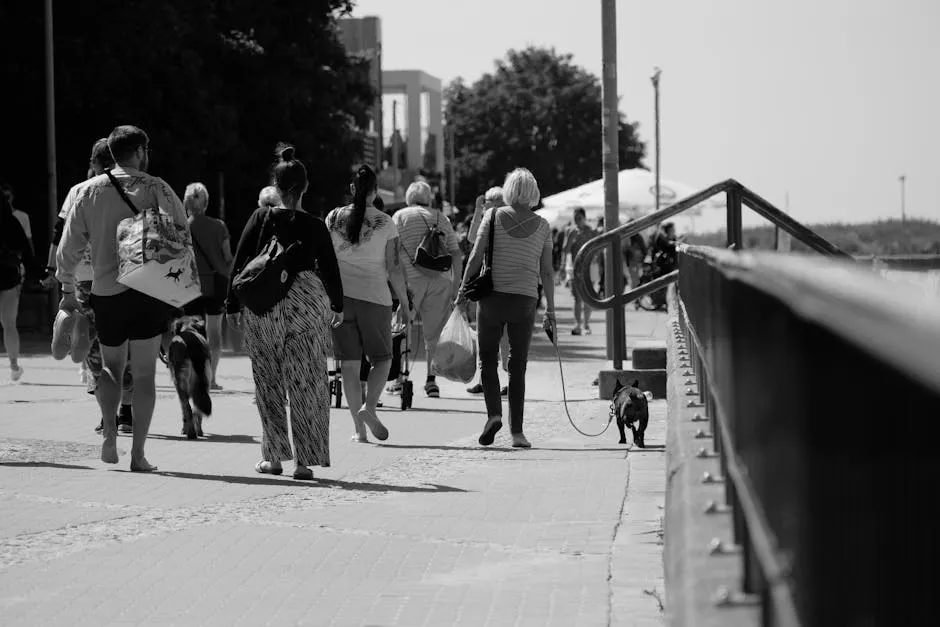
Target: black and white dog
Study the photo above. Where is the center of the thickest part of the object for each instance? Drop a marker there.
(190, 366)
(631, 407)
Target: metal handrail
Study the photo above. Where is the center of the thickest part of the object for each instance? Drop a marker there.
(738, 195)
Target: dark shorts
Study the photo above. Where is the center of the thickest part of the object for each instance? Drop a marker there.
(130, 315)
(366, 330)
(206, 306)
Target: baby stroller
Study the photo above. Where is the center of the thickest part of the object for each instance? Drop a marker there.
(658, 266)
(401, 366)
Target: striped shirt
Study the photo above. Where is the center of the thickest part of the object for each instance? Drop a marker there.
(516, 260)
(413, 223)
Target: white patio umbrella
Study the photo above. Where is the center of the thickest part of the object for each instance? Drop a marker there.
(637, 192)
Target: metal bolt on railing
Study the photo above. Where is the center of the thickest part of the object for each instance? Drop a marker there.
(699, 418)
(694, 404)
(688, 373)
(691, 392)
(704, 453)
(691, 381)
(719, 547)
(714, 507)
(708, 477)
(701, 434)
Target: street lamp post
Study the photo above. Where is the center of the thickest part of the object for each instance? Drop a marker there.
(616, 337)
(50, 121)
(655, 78)
(903, 178)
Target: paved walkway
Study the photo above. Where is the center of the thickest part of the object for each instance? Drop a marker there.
(425, 529)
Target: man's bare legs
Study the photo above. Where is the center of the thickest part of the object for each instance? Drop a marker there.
(214, 333)
(144, 370)
(108, 393)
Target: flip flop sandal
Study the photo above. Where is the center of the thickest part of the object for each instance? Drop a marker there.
(303, 476)
(269, 469)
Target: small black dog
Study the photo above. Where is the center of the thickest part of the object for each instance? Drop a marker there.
(190, 367)
(631, 405)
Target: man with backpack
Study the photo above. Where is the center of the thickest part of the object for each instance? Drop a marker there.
(432, 260)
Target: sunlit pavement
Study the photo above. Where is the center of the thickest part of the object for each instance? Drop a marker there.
(427, 528)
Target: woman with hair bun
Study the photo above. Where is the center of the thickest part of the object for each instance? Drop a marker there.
(366, 244)
(288, 345)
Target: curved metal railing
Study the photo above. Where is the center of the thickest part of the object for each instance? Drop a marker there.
(737, 195)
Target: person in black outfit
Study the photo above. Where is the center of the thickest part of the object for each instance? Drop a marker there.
(288, 345)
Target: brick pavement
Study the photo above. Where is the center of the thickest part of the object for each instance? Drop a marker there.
(425, 529)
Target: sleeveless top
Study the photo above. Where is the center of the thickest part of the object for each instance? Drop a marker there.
(516, 260)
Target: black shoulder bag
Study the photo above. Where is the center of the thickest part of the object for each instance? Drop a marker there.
(481, 285)
(264, 281)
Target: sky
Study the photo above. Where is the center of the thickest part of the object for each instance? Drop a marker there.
(822, 102)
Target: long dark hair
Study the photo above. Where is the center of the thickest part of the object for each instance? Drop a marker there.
(289, 174)
(364, 182)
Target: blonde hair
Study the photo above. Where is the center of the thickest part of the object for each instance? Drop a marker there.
(196, 198)
(521, 188)
(419, 193)
(494, 195)
(268, 197)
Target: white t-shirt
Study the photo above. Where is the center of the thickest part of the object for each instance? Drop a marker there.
(362, 265)
(83, 271)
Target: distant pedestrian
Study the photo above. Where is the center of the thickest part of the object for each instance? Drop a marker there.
(575, 238)
(434, 290)
(214, 259)
(128, 321)
(367, 248)
(21, 216)
(288, 345)
(16, 256)
(522, 255)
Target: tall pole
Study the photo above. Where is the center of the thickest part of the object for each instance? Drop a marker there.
(616, 333)
(451, 185)
(902, 178)
(53, 205)
(655, 78)
(395, 149)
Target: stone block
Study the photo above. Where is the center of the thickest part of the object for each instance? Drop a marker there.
(652, 380)
(649, 357)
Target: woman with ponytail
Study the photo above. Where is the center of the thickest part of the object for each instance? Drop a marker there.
(366, 244)
(288, 345)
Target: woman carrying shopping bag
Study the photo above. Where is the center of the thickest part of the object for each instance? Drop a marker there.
(517, 245)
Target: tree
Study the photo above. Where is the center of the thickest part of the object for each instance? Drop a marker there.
(216, 84)
(537, 110)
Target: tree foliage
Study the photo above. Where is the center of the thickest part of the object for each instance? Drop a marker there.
(215, 83)
(536, 110)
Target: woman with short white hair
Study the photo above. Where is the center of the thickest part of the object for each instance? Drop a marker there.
(522, 256)
(434, 288)
(213, 249)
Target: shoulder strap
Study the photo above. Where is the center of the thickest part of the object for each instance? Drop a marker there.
(121, 192)
(489, 249)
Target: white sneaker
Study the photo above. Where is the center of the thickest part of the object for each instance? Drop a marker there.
(16, 373)
(587, 329)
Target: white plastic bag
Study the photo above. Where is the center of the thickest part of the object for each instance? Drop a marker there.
(455, 357)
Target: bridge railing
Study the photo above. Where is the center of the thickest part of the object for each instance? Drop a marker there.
(821, 385)
(737, 196)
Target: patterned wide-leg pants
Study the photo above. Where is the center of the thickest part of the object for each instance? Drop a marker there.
(288, 348)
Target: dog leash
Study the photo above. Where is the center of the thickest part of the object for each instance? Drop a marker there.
(564, 395)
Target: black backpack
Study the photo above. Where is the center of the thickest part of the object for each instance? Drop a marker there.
(265, 280)
(431, 253)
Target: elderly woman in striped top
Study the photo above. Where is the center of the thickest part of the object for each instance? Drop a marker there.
(522, 257)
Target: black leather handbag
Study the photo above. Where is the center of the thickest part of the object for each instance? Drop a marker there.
(481, 286)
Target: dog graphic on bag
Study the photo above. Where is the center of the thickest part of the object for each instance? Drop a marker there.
(175, 274)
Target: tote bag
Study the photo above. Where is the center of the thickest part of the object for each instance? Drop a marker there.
(154, 257)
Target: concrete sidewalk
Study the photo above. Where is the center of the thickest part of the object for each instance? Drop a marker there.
(426, 529)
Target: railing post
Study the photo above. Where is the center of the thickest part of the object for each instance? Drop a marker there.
(734, 227)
